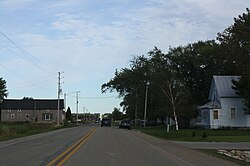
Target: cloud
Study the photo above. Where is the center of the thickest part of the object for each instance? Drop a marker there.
(13, 5)
(88, 40)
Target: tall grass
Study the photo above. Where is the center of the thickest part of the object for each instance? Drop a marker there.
(14, 130)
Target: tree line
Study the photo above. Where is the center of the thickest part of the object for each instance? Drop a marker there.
(178, 81)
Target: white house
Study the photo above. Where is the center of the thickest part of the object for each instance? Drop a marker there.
(226, 107)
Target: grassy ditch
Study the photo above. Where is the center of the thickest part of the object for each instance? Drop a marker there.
(16, 130)
(198, 135)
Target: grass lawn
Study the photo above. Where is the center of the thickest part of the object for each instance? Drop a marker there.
(195, 135)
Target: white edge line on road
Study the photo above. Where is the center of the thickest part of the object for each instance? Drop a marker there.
(159, 149)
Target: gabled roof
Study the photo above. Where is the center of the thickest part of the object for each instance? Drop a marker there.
(32, 104)
(223, 85)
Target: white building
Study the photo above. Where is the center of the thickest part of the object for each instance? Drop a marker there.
(226, 107)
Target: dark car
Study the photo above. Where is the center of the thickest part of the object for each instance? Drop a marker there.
(106, 122)
(125, 124)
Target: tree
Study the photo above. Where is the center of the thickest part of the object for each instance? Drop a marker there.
(130, 83)
(195, 64)
(116, 114)
(3, 90)
(68, 114)
(243, 89)
(236, 45)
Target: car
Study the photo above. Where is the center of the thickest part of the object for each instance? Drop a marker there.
(125, 124)
(106, 122)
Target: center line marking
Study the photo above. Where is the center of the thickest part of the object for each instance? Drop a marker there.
(58, 161)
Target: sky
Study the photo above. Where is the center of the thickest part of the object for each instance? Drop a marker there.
(87, 40)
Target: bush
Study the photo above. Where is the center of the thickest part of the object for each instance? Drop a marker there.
(193, 134)
(204, 135)
(4, 130)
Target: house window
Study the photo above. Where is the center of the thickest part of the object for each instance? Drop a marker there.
(47, 116)
(27, 116)
(19, 110)
(12, 116)
(233, 113)
(9, 110)
(216, 114)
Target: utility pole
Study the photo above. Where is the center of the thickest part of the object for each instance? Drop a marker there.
(136, 108)
(58, 97)
(83, 113)
(146, 100)
(65, 102)
(77, 106)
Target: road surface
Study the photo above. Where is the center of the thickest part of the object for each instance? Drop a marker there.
(95, 145)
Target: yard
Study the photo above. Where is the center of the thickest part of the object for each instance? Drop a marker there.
(198, 135)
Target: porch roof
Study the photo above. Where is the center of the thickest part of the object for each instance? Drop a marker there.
(211, 105)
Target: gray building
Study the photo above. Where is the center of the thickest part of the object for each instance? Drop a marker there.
(31, 110)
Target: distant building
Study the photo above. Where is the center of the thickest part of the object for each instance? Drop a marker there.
(226, 108)
(31, 110)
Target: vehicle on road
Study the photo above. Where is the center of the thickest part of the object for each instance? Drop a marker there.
(106, 122)
(125, 124)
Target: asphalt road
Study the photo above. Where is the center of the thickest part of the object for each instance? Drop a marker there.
(39, 149)
(116, 147)
(95, 145)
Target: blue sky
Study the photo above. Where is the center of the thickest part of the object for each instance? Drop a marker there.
(89, 39)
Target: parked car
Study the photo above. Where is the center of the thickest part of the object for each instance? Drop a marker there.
(125, 124)
(106, 122)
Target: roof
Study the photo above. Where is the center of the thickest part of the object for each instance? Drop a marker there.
(224, 86)
(212, 104)
(32, 104)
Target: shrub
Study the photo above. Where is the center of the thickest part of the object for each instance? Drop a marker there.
(193, 134)
(204, 135)
(4, 130)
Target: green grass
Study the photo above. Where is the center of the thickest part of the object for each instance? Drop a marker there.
(16, 130)
(195, 135)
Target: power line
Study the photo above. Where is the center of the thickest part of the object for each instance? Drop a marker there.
(23, 78)
(26, 54)
(94, 98)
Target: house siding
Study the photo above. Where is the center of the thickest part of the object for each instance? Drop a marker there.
(241, 118)
(32, 110)
(29, 116)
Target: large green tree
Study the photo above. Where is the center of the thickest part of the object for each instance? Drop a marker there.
(195, 64)
(130, 84)
(3, 89)
(235, 42)
(116, 114)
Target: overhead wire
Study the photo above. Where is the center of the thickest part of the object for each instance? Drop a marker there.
(23, 78)
(26, 55)
(93, 98)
